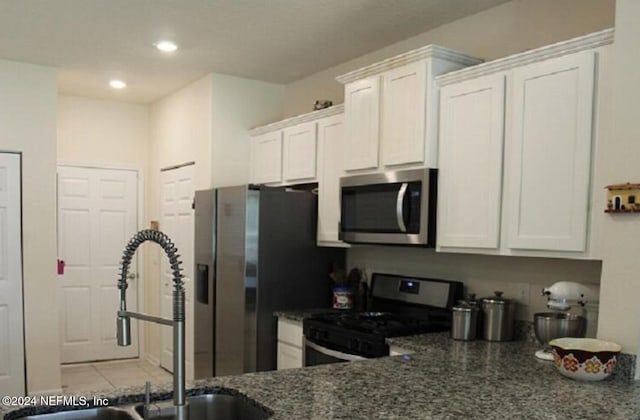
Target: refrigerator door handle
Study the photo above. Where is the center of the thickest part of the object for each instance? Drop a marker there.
(202, 283)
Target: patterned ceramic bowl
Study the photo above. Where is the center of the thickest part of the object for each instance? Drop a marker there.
(584, 359)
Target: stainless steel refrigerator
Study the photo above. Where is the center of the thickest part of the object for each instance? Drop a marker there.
(255, 252)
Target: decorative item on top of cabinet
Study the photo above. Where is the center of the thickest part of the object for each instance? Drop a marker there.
(516, 142)
(400, 123)
(623, 198)
(321, 104)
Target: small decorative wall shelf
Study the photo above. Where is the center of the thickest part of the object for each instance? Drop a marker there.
(623, 198)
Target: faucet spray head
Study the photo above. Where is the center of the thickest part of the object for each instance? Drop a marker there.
(123, 326)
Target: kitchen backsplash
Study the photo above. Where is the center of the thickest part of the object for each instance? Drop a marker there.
(520, 278)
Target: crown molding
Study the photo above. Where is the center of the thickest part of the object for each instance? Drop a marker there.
(298, 119)
(583, 43)
(429, 51)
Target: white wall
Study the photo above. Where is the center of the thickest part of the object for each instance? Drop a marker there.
(239, 104)
(497, 32)
(28, 125)
(102, 132)
(620, 311)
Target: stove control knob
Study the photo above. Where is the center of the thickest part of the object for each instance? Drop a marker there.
(354, 343)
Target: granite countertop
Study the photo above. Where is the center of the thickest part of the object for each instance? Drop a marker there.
(300, 314)
(443, 379)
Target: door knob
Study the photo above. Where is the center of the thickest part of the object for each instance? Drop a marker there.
(132, 276)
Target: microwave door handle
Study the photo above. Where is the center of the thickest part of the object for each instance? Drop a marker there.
(399, 207)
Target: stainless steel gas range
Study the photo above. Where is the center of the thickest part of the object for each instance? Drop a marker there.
(400, 306)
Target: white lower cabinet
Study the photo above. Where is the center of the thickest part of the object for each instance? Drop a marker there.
(289, 356)
(290, 342)
(398, 351)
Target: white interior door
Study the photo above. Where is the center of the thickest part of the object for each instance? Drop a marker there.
(11, 312)
(97, 215)
(177, 222)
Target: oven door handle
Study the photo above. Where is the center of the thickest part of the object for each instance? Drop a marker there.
(400, 207)
(332, 353)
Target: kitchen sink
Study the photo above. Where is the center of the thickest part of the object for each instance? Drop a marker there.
(204, 404)
(208, 407)
(102, 413)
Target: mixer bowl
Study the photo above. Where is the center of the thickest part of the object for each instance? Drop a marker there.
(551, 325)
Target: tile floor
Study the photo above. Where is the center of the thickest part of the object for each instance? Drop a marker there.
(109, 375)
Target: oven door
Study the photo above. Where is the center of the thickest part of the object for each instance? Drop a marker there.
(315, 354)
(392, 207)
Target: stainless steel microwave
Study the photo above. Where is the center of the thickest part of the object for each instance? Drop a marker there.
(397, 207)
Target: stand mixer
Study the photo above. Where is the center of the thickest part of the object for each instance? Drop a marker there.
(562, 297)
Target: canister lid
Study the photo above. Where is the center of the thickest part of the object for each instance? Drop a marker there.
(464, 306)
(497, 299)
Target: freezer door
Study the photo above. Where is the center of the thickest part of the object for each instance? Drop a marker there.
(204, 252)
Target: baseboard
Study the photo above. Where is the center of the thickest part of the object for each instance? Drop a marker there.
(154, 361)
(57, 391)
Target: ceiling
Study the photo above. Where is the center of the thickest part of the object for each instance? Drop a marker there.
(93, 41)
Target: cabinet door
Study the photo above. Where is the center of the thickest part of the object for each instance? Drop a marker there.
(330, 142)
(289, 357)
(266, 158)
(550, 140)
(470, 156)
(362, 112)
(403, 114)
(299, 161)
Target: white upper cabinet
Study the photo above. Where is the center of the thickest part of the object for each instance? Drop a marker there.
(470, 157)
(516, 172)
(403, 114)
(330, 142)
(390, 109)
(550, 137)
(299, 161)
(266, 158)
(286, 152)
(362, 111)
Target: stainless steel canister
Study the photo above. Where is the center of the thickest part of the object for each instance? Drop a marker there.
(464, 324)
(499, 315)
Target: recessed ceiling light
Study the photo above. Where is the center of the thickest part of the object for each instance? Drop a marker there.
(117, 84)
(166, 46)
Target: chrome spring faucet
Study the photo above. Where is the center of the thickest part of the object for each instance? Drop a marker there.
(178, 322)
